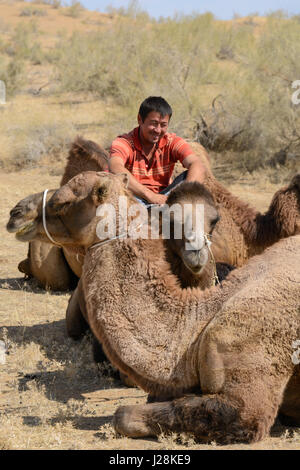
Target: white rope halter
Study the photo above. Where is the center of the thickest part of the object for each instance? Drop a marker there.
(117, 237)
(44, 218)
(208, 243)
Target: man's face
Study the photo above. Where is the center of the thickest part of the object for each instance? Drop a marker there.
(154, 127)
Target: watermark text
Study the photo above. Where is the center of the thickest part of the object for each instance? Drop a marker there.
(296, 95)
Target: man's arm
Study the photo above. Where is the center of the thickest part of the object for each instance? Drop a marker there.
(196, 169)
(116, 165)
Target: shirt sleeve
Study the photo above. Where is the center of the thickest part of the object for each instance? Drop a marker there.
(120, 148)
(180, 149)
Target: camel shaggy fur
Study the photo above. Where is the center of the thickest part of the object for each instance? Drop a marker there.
(241, 233)
(230, 346)
(187, 265)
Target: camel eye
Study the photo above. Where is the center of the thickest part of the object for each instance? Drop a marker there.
(214, 223)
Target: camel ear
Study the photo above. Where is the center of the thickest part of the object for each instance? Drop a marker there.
(124, 177)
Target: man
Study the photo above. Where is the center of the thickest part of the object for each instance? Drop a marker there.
(149, 153)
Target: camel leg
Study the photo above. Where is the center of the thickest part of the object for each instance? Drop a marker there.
(242, 389)
(75, 318)
(47, 264)
(98, 353)
(289, 412)
(99, 357)
(208, 418)
(77, 325)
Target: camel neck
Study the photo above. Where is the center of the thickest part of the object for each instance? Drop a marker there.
(138, 295)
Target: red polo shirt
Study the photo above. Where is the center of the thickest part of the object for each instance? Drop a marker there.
(156, 173)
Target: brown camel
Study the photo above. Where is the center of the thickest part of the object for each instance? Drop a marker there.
(187, 268)
(52, 266)
(241, 232)
(29, 226)
(231, 345)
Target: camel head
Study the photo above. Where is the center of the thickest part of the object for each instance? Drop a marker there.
(25, 216)
(193, 247)
(70, 211)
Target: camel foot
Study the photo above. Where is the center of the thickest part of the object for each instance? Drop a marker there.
(129, 421)
(24, 267)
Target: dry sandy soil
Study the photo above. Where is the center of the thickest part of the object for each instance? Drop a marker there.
(52, 396)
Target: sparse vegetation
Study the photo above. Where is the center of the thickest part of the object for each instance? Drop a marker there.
(35, 138)
(74, 10)
(52, 3)
(31, 11)
(12, 74)
(24, 45)
(230, 86)
(229, 83)
(221, 80)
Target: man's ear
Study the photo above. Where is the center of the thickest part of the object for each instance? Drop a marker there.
(124, 177)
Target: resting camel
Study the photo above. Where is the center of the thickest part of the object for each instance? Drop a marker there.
(52, 266)
(185, 268)
(221, 359)
(241, 232)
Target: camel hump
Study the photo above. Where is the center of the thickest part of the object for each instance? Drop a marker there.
(199, 150)
(87, 148)
(84, 155)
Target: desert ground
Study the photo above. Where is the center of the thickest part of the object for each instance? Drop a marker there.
(52, 395)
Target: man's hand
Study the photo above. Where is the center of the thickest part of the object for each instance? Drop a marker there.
(116, 166)
(157, 198)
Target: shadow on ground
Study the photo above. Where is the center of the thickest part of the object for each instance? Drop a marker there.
(75, 370)
(27, 285)
(84, 423)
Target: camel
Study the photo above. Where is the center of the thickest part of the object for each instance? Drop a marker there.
(187, 271)
(241, 233)
(219, 358)
(29, 226)
(52, 266)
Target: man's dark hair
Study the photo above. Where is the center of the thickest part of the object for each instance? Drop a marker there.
(155, 103)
